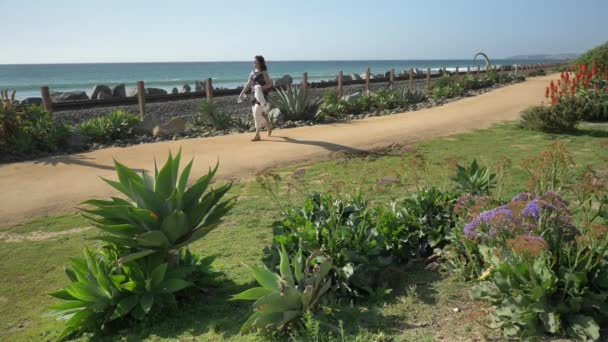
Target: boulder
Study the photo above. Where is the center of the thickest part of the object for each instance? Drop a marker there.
(132, 92)
(98, 89)
(155, 91)
(356, 77)
(198, 86)
(347, 77)
(67, 96)
(119, 91)
(379, 76)
(147, 125)
(104, 94)
(276, 116)
(387, 74)
(283, 82)
(174, 126)
(36, 101)
(186, 89)
(174, 91)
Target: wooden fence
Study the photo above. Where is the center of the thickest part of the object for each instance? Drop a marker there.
(209, 93)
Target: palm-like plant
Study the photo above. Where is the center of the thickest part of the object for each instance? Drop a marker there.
(475, 179)
(294, 102)
(285, 297)
(163, 214)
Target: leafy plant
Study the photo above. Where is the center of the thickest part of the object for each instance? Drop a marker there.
(538, 72)
(474, 179)
(37, 131)
(332, 107)
(116, 125)
(344, 231)
(164, 214)
(284, 298)
(145, 261)
(294, 102)
(537, 288)
(209, 116)
(598, 54)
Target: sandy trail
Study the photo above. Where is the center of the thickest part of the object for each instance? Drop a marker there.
(57, 185)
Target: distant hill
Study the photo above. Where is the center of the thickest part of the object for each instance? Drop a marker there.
(561, 56)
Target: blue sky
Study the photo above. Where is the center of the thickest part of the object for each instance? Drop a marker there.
(62, 31)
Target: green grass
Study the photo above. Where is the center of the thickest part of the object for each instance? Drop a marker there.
(419, 307)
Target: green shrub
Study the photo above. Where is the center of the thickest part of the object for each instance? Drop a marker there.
(145, 261)
(285, 298)
(334, 107)
(344, 231)
(446, 87)
(535, 73)
(116, 125)
(36, 131)
(475, 179)
(595, 103)
(538, 288)
(560, 117)
(599, 54)
(294, 102)
(208, 116)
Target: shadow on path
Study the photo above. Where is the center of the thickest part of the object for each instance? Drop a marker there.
(75, 160)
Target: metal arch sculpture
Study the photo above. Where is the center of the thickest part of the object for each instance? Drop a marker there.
(488, 64)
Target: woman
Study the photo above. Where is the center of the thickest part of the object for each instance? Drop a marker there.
(259, 83)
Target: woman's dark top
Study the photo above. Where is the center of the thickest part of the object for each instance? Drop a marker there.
(257, 78)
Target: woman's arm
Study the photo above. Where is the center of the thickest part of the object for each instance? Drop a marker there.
(246, 88)
(267, 81)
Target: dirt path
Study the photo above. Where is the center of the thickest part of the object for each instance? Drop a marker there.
(58, 184)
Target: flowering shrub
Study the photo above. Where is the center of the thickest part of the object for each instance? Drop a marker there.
(539, 287)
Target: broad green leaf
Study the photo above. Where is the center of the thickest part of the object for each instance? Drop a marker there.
(158, 275)
(61, 294)
(173, 285)
(146, 302)
(266, 278)
(284, 267)
(290, 299)
(124, 306)
(85, 292)
(154, 239)
(183, 179)
(584, 327)
(165, 183)
(126, 175)
(248, 325)
(175, 226)
(196, 191)
(297, 266)
(252, 294)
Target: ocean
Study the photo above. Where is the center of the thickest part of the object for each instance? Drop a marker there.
(27, 79)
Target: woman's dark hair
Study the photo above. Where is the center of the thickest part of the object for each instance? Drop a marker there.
(262, 62)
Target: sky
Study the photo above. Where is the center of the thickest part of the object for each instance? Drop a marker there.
(70, 31)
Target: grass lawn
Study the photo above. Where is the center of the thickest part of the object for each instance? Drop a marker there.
(421, 306)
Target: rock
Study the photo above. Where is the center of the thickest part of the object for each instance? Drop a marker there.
(289, 124)
(276, 116)
(283, 82)
(356, 77)
(155, 91)
(174, 91)
(146, 126)
(119, 91)
(76, 140)
(132, 92)
(198, 86)
(100, 88)
(387, 74)
(173, 127)
(104, 93)
(431, 266)
(347, 78)
(379, 76)
(456, 310)
(186, 89)
(36, 101)
(67, 96)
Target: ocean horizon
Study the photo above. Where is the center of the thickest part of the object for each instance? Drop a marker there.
(26, 79)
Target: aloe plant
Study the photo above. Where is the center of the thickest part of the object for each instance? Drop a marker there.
(283, 298)
(475, 179)
(162, 213)
(294, 102)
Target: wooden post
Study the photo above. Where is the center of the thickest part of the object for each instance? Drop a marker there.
(478, 69)
(141, 99)
(305, 81)
(209, 90)
(391, 79)
(468, 70)
(457, 74)
(428, 77)
(47, 104)
(340, 83)
(367, 73)
(411, 78)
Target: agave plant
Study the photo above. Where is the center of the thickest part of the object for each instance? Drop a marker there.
(474, 180)
(285, 297)
(294, 102)
(162, 213)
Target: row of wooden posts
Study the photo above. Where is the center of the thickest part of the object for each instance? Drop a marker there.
(141, 92)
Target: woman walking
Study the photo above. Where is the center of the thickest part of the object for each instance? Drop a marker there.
(259, 83)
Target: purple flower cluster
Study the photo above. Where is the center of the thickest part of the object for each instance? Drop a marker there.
(520, 216)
